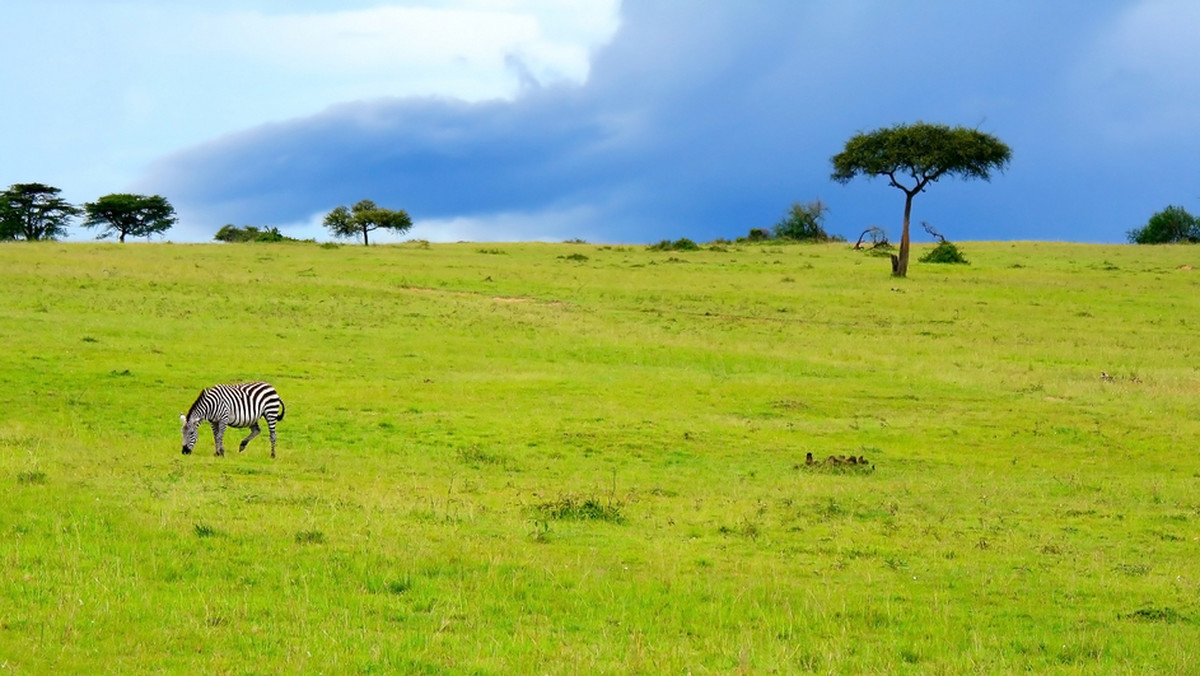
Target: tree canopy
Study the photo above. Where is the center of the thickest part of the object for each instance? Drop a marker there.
(365, 217)
(1169, 226)
(34, 211)
(125, 214)
(912, 156)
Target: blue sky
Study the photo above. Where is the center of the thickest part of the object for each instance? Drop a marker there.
(611, 121)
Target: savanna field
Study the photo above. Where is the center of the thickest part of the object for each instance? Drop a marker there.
(581, 459)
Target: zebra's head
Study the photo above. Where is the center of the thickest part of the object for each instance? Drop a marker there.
(191, 429)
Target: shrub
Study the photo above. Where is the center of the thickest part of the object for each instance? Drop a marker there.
(683, 244)
(1169, 226)
(804, 222)
(944, 252)
(250, 233)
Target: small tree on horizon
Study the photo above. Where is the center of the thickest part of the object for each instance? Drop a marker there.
(34, 211)
(1169, 226)
(804, 222)
(364, 217)
(912, 156)
(125, 214)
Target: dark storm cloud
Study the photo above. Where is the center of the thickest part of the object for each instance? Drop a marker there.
(707, 119)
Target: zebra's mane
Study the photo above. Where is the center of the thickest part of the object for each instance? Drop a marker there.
(196, 403)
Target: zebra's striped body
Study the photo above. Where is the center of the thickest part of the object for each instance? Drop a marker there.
(240, 405)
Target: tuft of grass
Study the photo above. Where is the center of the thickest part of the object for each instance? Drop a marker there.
(399, 587)
(204, 530)
(747, 529)
(571, 508)
(541, 531)
(310, 537)
(476, 456)
(1165, 615)
(1132, 569)
(31, 478)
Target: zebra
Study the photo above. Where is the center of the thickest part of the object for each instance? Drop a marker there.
(239, 405)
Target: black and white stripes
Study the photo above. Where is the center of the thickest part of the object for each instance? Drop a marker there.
(239, 405)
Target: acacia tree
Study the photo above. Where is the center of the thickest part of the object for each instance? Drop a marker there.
(34, 211)
(364, 217)
(912, 156)
(125, 214)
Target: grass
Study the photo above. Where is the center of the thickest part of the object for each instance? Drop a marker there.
(589, 459)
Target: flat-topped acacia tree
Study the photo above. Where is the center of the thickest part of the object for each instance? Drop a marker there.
(364, 217)
(125, 214)
(912, 156)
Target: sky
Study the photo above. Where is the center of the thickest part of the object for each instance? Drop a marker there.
(611, 121)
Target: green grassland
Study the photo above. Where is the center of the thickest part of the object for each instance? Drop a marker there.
(569, 458)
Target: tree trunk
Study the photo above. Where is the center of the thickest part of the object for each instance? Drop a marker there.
(365, 242)
(900, 262)
(121, 238)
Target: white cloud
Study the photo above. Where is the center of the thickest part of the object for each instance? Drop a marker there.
(129, 81)
(549, 225)
(457, 51)
(1139, 81)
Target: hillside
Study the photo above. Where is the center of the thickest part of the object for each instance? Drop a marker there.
(569, 458)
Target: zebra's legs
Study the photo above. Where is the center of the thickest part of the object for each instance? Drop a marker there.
(253, 433)
(219, 436)
(271, 427)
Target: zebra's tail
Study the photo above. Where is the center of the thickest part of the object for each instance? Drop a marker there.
(282, 410)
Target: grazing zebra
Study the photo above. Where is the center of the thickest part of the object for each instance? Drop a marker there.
(239, 405)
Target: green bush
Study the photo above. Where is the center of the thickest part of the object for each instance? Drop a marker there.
(945, 252)
(804, 222)
(1169, 226)
(684, 244)
(250, 233)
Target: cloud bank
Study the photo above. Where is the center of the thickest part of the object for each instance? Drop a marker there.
(101, 88)
(704, 120)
